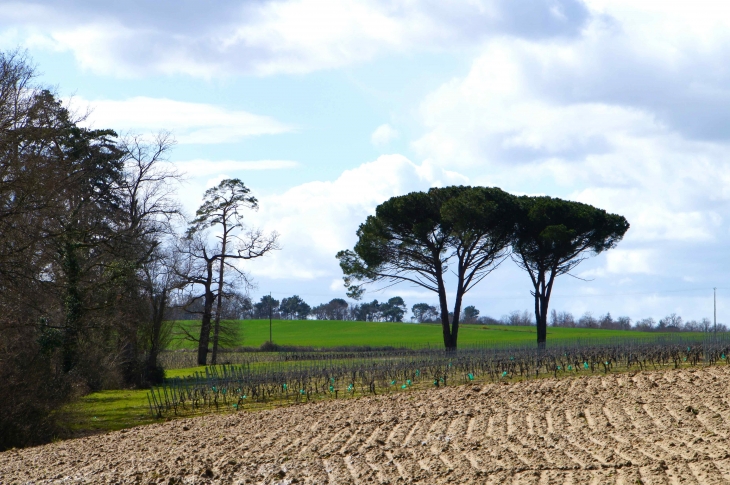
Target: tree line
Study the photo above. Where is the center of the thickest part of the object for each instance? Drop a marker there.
(95, 251)
(240, 307)
(670, 323)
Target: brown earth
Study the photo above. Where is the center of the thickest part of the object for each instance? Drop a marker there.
(651, 427)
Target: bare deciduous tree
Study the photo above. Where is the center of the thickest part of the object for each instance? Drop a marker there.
(222, 209)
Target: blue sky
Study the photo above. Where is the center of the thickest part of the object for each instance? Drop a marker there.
(326, 108)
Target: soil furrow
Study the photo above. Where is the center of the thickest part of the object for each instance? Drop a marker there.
(657, 427)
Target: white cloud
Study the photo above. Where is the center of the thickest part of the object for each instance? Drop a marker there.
(337, 285)
(318, 219)
(201, 167)
(528, 118)
(383, 135)
(494, 115)
(271, 37)
(623, 261)
(189, 122)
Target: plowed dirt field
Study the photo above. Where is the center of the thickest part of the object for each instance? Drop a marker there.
(649, 427)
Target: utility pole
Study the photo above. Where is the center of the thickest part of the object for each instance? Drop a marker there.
(714, 305)
(270, 339)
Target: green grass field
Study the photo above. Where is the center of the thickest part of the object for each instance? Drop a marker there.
(333, 333)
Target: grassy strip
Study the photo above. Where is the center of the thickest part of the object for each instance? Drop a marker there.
(188, 371)
(105, 411)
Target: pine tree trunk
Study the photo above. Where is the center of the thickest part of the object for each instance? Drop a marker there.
(219, 304)
(205, 324)
(449, 341)
(541, 312)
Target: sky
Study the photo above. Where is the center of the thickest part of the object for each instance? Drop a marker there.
(326, 108)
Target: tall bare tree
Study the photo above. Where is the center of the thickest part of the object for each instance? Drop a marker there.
(222, 211)
(159, 280)
(198, 269)
(149, 190)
